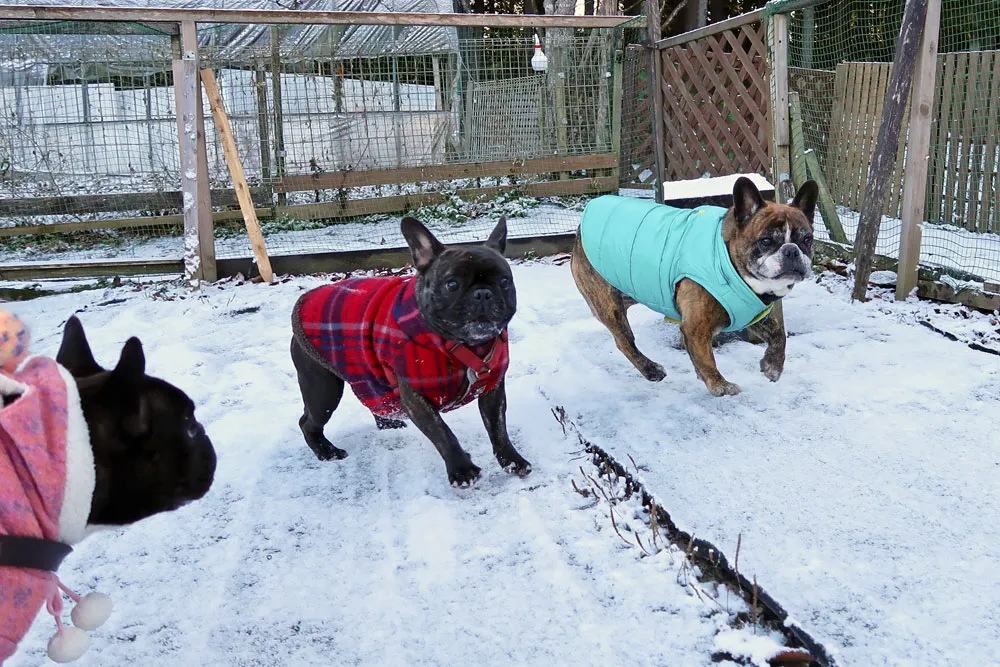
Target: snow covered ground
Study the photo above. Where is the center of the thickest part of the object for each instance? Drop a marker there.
(376, 559)
(862, 484)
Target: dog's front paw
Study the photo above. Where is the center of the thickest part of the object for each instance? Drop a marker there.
(653, 372)
(464, 475)
(771, 368)
(325, 451)
(515, 465)
(724, 388)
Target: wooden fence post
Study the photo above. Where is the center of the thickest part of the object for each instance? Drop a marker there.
(777, 33)
(916, 166)
(279, 117)
(656, 94)
(883, 160)
(199, 234)
(617, 55)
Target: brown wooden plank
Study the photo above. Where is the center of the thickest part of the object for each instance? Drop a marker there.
(132, 201)
(918, 143)
(92, 269)
(937, 193)
(849, 175)
(236, 173)
(968, 73)
(121, 223)
(347, 179)
(834, 152)
(894, 200)
(979, 82)
(285, 17)
(953, 207)
(990, 219)
(867, 122)
(714, 29)
(991, 122)
(849, 153)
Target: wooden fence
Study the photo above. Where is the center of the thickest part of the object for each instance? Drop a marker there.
(715, 93)
(964, 172)
(490, 138)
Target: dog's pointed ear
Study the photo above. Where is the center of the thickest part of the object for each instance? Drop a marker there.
(74, 352)
(498, 237)
(746, 200)
(423, 246)
(131, 366)
(805, 199)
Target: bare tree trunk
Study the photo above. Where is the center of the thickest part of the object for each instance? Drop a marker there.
(887, 143)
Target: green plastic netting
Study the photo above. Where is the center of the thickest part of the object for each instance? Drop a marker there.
(840, 58)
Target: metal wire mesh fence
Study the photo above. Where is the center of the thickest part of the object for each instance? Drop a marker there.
(337, 139)
(840, 58)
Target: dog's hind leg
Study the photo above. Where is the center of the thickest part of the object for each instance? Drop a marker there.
(321, 393)
(610, 306)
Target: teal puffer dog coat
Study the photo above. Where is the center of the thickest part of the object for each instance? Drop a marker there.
(644, 249)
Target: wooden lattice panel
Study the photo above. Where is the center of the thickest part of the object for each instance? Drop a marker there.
(716, 105)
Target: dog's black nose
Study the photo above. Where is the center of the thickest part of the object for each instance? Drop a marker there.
(482, 294)
(789, 251)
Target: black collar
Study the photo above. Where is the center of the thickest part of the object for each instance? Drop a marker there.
(32, 552)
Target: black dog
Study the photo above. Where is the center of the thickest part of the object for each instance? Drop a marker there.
(413, 347)
(81, 446)
(150, 453)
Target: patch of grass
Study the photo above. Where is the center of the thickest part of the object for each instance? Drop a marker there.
(456, 211)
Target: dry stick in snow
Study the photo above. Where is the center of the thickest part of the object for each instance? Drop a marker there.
(886, 145)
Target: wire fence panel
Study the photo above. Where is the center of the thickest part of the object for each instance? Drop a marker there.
(337, 140)
(840, 57)
(638, 161)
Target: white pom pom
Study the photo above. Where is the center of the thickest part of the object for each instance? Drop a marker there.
(92, 611)
(68, 645)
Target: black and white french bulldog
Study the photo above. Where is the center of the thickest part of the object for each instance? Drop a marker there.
(85, 447)
(412, 347)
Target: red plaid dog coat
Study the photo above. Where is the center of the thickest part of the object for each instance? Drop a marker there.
(370, 333)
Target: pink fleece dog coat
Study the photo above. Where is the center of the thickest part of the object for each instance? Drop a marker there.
(46, 482)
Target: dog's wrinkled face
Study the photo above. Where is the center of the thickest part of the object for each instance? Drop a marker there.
(150, 453)
(464, 294)
(771, 244)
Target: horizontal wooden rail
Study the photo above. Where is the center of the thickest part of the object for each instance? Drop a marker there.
(713, 29)
(396, 203)
(348, 179)
(132, 201)
(120, 223)
(348, 209)
(96, 269)
(285, 17)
